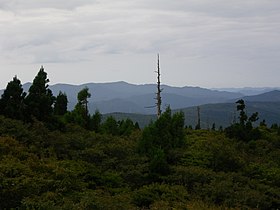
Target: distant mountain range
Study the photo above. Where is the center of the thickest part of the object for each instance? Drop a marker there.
(129, 98)
(123, 100)
(248, 91)
(222, 114)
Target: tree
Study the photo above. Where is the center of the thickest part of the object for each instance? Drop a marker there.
(95, 122)
(244, 129)
(60, 106)
(159, 140)
(126, 127)
(81, 107)
(83, 97)
(40, 98)
(198, 126)
(166, 133)
(242, 115)
(159, 90)
(12, 100)
(80, 113)
(110, 126)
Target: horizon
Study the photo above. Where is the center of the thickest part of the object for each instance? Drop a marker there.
(228, 89)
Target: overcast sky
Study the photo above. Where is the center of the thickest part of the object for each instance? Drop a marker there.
(206, 43)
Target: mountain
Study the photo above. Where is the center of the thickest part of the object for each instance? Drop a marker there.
(124, 100)
(130, 98)
(248, 91)
(272, 96)
(222, 114)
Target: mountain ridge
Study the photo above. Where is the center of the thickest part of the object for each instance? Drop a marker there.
(139, 96)
(134, 98)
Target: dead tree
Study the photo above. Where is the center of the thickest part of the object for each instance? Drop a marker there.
(198, 127)
(159, 90)
(158, 95)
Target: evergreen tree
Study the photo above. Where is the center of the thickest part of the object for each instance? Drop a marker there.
(244, 129)
(60, 106)
(80, 114)
(110, 126)
(83, 97)
(96, 121)
(40, 98)
(165, 133)
(81, 107)
(12, 100)
(242, 115)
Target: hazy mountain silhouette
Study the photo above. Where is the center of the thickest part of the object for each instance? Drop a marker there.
(123, 100)
(222, 114)
(248, 91)
(272, 96)
(125, 97)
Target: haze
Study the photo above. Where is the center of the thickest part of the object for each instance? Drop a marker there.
(202, 43)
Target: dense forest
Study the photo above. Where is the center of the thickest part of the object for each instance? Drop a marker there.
(52, 158)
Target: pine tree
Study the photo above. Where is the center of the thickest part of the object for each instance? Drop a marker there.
(60, 106)
(83, 96)
(12, 100)
(96, 121)
(40, 98)
(80, 114)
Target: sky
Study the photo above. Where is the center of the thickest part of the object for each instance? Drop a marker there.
(212, 44)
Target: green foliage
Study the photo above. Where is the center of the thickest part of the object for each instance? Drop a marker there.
(158, 141)
(165, 133)
(82, 105)
(12, 100)
(80, 114)
(110, 126)
(244, 129)
(74, 161)
(95, 121)
(149, 196)
(40, 99)
(80, 169)
(158, 164)
(60, 105)
(126, 127)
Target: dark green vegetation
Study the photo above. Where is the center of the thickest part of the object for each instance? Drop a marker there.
(73, 160)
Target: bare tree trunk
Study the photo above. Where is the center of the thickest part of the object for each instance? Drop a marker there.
(159, 90)
(198, 126)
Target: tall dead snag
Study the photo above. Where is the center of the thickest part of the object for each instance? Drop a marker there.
(197, 127)
(159, 90)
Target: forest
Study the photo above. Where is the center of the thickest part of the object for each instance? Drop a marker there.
(53, 158)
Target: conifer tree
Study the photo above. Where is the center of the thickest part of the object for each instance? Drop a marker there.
(12, 100)
(80, 114)
(40, 98)
(96, 121)
(83, 97)
(60, 106)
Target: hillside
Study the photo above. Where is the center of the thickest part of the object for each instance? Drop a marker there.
(222, 114)
(52, 158)
(81, 169)
(271, 96)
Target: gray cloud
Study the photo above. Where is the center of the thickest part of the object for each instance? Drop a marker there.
(51, 31)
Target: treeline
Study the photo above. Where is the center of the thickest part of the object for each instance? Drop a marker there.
(52, 158)
(40, 104)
